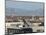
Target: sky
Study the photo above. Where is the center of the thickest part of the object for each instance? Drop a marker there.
(18, 8)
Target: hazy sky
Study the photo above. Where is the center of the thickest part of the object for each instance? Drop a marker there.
(24, 8)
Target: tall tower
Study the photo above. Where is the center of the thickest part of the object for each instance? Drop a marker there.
(33, 17)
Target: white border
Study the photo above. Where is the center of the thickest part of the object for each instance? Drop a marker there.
(2, 17)
(2, 14)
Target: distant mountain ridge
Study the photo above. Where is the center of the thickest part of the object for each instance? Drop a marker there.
(38, 12)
